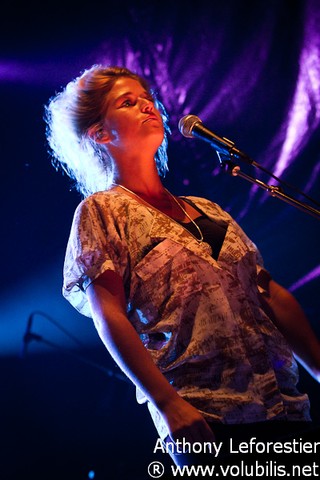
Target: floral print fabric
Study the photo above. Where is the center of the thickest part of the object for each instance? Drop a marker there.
(200, 318)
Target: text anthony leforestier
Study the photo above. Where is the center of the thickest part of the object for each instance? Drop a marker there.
(251, 446)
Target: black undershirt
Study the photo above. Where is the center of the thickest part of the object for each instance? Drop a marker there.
(213, 233)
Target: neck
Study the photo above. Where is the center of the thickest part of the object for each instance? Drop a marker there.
(146, 183)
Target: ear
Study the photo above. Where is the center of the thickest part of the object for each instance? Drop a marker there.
(97, 134)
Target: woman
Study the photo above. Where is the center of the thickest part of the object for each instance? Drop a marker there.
(176, 290)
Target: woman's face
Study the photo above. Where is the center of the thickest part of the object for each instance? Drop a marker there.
(131, 119)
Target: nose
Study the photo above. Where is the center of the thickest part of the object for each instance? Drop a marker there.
(146, 105)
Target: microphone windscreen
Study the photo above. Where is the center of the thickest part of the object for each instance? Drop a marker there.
(187, 123)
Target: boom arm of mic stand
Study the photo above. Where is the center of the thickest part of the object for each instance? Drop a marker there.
(234, 170)
(108, 372)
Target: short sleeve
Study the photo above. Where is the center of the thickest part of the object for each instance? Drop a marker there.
(95, 245)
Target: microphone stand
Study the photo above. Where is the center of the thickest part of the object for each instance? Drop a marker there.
(30, 336)
(234, 170)
(107, 371)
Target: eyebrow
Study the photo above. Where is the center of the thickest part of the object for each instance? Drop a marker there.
(144, 92)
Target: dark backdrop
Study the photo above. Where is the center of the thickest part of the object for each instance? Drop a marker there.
(250, 70)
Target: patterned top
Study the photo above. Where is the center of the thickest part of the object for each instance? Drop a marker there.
(200, 318)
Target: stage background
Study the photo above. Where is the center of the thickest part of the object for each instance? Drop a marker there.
(250, 70)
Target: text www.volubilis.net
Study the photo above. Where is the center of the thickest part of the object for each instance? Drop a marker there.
(268, 469)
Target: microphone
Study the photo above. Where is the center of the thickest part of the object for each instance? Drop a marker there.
(191, 126)
(28, 337)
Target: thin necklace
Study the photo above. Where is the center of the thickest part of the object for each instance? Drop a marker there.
(199, 240)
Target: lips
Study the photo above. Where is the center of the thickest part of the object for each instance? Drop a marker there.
(151, 117)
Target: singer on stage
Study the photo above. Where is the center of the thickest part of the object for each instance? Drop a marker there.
(178, 293)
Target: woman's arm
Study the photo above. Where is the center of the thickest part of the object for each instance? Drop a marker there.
(291, 320)
(107, 302)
